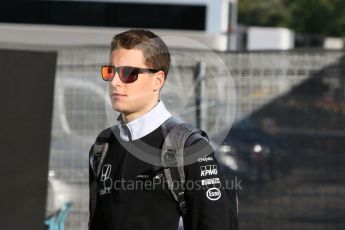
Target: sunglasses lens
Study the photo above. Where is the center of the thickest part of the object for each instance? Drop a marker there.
(128, 74)
(107, 73)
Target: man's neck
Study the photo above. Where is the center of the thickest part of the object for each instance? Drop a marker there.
(132, 116)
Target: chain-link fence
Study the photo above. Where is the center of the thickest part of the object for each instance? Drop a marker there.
(291, 90)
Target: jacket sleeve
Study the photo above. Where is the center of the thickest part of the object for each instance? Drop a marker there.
(95, 212)
(210, 205)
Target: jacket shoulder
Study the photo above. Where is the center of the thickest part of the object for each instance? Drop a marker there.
(106, 134)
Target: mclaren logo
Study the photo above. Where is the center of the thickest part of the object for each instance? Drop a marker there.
(209, 170)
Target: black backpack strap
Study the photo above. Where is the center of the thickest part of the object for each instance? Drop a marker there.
(98, 153)
(172, 159)
(99, 150)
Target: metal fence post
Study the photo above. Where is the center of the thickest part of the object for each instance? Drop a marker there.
(200, 95)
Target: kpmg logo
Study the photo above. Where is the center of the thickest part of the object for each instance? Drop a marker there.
(209, 170)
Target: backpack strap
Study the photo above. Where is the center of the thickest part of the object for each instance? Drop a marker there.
(99, 150)
(98, 153)
(172, 160)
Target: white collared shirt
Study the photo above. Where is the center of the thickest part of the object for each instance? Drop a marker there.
(144, 124)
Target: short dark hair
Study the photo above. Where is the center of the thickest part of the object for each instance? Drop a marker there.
(156, 52)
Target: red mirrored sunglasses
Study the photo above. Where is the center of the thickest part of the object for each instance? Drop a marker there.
(127, 74)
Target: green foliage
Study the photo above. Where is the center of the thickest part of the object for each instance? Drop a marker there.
(325, 17)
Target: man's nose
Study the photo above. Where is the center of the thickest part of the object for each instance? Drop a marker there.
(116, 80)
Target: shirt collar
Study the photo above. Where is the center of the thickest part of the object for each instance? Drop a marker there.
(144, 124)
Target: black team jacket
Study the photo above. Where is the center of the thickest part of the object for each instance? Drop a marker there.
(133, 195)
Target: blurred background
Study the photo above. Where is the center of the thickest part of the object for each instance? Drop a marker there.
(268, 80)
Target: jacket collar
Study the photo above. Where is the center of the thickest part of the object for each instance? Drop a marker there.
(144, 124)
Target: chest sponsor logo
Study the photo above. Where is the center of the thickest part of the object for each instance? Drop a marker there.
(210, 181)
(213, 194)
(205, 159)
(106, 180)
(209, 170)
(143, 176)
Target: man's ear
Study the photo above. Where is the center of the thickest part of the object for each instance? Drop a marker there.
(159, 79)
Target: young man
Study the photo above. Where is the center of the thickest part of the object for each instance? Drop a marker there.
(138, 67)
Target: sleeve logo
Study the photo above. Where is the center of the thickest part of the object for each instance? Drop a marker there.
(106, 180)
(213, 194)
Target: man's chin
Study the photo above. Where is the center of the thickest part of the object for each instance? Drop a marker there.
(116, 107)
(119, 109)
